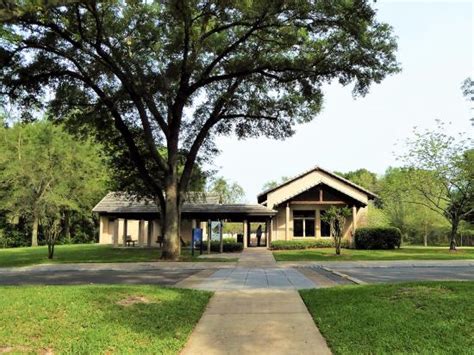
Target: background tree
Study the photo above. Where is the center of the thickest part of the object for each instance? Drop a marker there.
(336, 218)
(364, 178)
(46, 174)
(273, 183)
(406, 209)
(468, 92)
(442, 172)
(227, 192)
(151, 74)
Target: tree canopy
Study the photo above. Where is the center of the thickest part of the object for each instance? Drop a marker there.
(173, 74)
(46, 175)
(228, 192)
(442, 171)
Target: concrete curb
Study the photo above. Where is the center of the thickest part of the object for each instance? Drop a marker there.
(340, 274)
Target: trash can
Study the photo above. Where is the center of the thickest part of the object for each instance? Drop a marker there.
(240, 238)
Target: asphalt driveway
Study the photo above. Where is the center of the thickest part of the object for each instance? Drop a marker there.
(75, 277)
(377, 274)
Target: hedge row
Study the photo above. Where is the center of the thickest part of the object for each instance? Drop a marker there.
(378, 238)
(306, 244)
(230, 245)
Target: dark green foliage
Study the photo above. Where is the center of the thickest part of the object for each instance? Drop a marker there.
(230, 246)
(378, 238)
(306, 244)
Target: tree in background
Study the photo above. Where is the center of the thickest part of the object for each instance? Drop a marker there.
(441, 170)
(405, 208)
(364, 178)
(46, 176)
(468, 92)
(269, 185)
(336, 218)
(227, 192)
(208, 68)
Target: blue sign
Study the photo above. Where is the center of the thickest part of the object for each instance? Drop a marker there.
(196, 238)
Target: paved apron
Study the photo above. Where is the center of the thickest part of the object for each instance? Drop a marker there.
(256, 309)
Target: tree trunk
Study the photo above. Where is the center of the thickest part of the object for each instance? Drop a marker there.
(171, 242)
(67, 227)
(337, 240)
(34, 232)
(452, 236)
(425, 235)
(50, 250)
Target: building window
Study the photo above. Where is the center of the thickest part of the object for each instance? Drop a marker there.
(325, 227)
(303, 224)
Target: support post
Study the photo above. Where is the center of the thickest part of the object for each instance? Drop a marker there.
(141, 232)
(270, 234)
(267, 223)
(318, 222)
(354, 225)
(209, 231)
(149, 233)
(115, 233)
(125, 230)
(101, 229)
(245, 234)
(221, 236)
(287, 221)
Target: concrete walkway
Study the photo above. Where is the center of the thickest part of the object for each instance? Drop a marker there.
(255, 310)
(256, 322)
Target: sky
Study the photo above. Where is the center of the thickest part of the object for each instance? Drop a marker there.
(436, 52)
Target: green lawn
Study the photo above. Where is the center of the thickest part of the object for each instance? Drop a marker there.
(86, 253)
(408, 253)
(421, 318)
(98, 319)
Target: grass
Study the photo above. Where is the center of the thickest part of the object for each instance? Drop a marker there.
(425, 318)
(98, 319)
(87, 253)
(408, 253)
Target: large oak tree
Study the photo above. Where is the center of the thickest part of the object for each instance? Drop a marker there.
(150, 75)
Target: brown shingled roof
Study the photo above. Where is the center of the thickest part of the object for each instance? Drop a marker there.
(118, 202)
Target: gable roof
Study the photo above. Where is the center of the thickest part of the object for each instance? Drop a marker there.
(123, 203)
(262, 196)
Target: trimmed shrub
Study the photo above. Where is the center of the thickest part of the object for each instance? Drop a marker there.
(378, 238)
(306, 244)
(230, 245)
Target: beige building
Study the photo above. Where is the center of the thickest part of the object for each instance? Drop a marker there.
(290, 211)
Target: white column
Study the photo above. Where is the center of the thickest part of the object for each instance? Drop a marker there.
(317, 222)
(115, 233)
(141, 232)
(125, 230)
(245, 234)
(287, 221)
(101, 229)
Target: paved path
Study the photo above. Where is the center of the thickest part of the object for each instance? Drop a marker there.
(255, 310)
(257, 269)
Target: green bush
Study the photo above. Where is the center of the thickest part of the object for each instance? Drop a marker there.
(230, 245)
(378, 238)
(306, 244)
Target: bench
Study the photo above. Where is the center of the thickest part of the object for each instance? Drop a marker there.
(129, 240)
(159, 241)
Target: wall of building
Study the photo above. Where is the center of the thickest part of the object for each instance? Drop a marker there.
(279, 222)
(107, 231)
